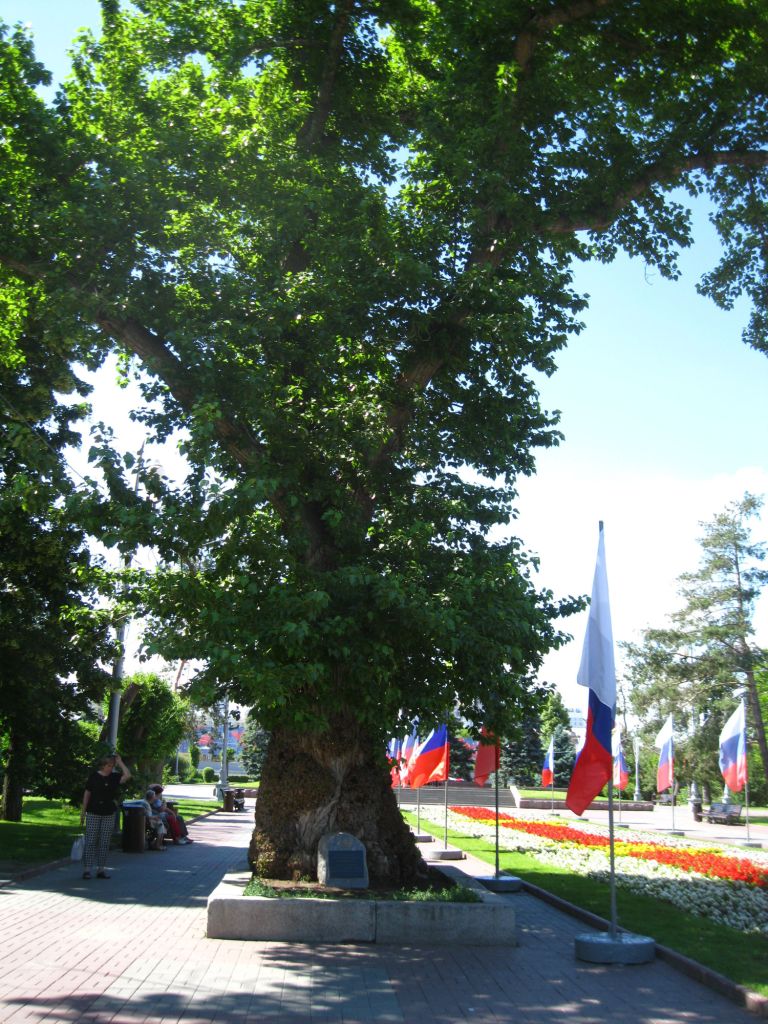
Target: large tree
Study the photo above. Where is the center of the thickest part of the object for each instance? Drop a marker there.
(52, 632)
(689, 666)
(331, 240)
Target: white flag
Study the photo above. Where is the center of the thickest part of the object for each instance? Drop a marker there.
(597, 669)
(665, 733)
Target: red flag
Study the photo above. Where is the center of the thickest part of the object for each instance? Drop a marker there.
(487, 760)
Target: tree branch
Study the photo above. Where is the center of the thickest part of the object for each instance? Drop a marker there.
(151, 350)
(599, 218)
(312, 128)
(540, 26)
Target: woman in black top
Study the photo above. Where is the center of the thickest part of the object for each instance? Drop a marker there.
(98, 813)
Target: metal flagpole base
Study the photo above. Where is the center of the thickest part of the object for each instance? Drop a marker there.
(622, 948)
(504, 883)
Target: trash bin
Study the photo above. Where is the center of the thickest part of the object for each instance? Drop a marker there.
(696, 810)
(134, 826)
(229, 799)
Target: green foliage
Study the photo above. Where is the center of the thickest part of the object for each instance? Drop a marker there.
(253, 747)
(522, 755)
(332, 244)
(152, 722)
(553, 714)
(462, 758)
(209, 775)
(688, 667)
(52, 631)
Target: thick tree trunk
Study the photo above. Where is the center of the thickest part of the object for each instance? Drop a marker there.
(313, 784)
(13, 780)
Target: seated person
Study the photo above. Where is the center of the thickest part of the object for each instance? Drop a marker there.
(154, 821)
(169, 817)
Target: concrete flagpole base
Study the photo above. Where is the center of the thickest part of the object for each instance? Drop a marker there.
(622, 948)
(423, 837)
(453, 854)
(502, 883)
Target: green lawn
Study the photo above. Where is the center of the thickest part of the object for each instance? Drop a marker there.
(48, 827)
(743, 958)
(45, 833)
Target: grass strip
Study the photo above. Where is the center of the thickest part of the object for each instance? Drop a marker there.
(48, 827)
(44, 834)
(740, 957)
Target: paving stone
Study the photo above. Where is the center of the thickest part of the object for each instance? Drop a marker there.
(132, 950)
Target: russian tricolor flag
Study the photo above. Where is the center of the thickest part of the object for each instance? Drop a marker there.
(487, 758)
(597, 671)
(620, 768)
(430, 759)
(410, 742)
(733, 750)
(548, 769)
(665, 773)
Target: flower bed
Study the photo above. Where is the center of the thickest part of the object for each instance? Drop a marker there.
(723, 886)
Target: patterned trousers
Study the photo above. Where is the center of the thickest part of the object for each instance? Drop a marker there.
(98, 834)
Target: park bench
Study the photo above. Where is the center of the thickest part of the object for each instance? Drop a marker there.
(724, 814)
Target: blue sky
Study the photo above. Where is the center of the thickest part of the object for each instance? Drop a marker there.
(663, 407)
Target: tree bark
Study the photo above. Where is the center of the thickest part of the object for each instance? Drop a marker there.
(317, 783)
(13, 780)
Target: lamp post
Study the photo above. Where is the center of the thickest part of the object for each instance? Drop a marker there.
(636, 744)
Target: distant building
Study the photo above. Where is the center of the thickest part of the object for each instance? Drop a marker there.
(578, 725)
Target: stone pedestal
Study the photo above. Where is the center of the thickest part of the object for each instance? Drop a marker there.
(621, 948)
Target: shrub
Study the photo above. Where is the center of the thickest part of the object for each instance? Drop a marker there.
(209, 775)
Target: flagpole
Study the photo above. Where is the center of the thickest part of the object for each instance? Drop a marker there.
(496, 787)
(672, 784)
(597, 672)
(612, 859)
(445, 832)
(746, 776)
(418, 809)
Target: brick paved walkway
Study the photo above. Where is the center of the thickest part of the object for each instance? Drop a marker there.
(133, 949)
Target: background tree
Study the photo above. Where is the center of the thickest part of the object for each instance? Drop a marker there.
(462, 755)
(255, 743)
(553, 714)
(334, 239)
(51, 632)
(152, 722)
(688, 668)
(522, 755)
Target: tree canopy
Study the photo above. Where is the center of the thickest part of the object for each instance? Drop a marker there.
(331, 241)
(52, 634)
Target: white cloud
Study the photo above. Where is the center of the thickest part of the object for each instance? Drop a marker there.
(651, 531)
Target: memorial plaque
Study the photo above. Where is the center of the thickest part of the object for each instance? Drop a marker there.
(341, 861)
